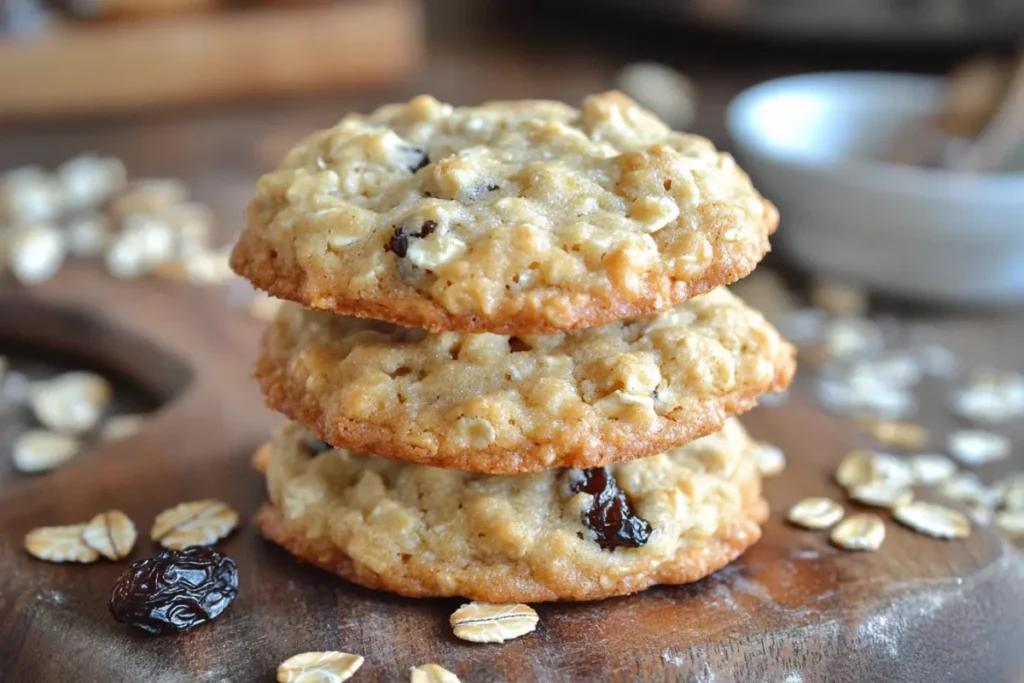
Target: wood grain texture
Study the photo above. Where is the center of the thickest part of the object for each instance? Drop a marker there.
(792, 609)
(164, 62)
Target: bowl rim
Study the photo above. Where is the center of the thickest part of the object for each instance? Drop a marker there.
(859, 171)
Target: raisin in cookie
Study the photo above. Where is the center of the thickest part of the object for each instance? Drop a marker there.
(555, 535)
(516, 217)
(499, 404)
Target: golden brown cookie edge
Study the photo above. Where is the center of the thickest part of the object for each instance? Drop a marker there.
(256, 261)
(285, 396)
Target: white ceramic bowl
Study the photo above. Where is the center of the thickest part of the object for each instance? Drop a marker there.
(811, 145)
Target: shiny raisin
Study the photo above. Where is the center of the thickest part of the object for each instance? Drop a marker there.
(611, 517)
(399, 242)
(175, 591)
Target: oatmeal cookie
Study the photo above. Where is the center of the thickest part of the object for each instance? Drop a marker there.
(503, 405)
(514, 217)
(422, 531)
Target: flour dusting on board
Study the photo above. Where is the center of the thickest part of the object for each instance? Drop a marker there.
(673, 657)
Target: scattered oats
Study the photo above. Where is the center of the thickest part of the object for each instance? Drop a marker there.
(862, 531)
(975, 447)
(28, 194)
(802, 327)
(125, 259)
(119, 427)
(858, 397)
(481, 622)
(896, 371)
(202, 522)
(859, 467)
(192, 223)
(319, 667)
(35, 253)
(815, 513)
(967, 488)
(261, 458)
(38, 450)
(87, 181)
(849, 338)
(931, 468)
(173, 270)
(432, 673)
(112, 534)
(60, 544)
(148, 196)
(209, 267)
(152, 235)
(933, 519)
(1011, 522)
(89, 235)
(897, 434)
(839, 298)
(770, 459)
(881, 494)
(16, 388)
(990, 397)
(665, 91)
(936, 361)
(264, 307)
(71, 403)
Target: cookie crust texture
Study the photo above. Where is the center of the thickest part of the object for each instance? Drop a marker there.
(522, 218)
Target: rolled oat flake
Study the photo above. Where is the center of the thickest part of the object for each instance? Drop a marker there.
(60, 544)
(319, 667)
(481, 622)
(432, 673)
(977, 447)
(111, 534)
(863, 531)
(815, 513)
(201, 522)
(38, 450)
(933, 520)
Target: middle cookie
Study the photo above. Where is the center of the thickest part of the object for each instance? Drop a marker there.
(503, 405)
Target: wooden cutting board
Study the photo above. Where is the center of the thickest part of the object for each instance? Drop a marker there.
(792, 610)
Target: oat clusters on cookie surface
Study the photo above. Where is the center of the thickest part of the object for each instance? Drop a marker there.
(512, 363)
(523, 217)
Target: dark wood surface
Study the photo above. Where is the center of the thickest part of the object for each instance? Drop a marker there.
(793, 609)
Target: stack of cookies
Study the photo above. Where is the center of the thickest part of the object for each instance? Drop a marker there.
(511, 363)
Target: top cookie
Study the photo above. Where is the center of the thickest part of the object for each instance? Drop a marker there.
(512, 217)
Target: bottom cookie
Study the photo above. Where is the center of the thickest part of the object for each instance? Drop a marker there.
(557, 535)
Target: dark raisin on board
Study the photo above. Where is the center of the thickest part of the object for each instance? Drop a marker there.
(424, 160)
(315, 446)
(175, 591)
(399, 242)
(611, 517)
